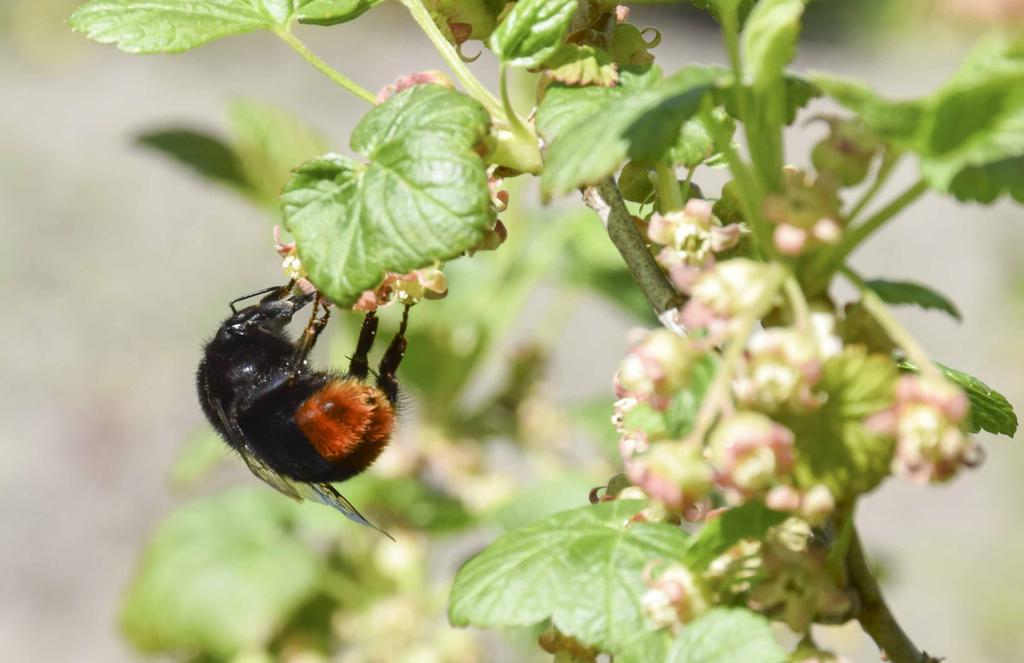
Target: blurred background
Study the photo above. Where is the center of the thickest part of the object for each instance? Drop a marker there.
(129, 533)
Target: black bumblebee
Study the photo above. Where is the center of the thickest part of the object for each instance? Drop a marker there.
(298, 429)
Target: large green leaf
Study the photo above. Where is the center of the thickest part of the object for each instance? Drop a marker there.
(906, 292)
(643, 127)
(422, 197)
(969, 135)
(726, 635)
(221, 575)
(564, 106)
(580, 568)
(171, 26)
(990, 410)
(833, 445)
(532, 31)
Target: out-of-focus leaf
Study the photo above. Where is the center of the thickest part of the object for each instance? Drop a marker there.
(201, 454)
(726, 635)
(906, 292)
(543, 498)
(408, 502)
(681, 413)
(422, 198)
(990, 410)
(270, 142)
(205, 154)
(589, 564)
(532, 31)
(719, 8)
(595, 416)
(969, 135)
(220, 575)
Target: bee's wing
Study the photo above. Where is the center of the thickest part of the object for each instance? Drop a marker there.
(324, 493)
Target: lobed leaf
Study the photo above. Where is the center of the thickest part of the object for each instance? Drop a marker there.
(532, 31)
(833, 446)
(581, 569)
(172, 26)
(906, 292)
(642, 126)
(422, 197)
(726, 635)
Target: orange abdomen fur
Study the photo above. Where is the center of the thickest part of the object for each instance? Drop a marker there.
(348, 423)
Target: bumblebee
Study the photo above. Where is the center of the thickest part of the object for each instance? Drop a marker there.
(298, 429)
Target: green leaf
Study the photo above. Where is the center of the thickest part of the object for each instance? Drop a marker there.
(200, 455)
(270, 142)
(696, 144)
(726, 635)
(833, 446)
(969, 135)
(906, 292)
(641, 127)
(422, 198)
(573, 64)
(990, 410)
(532, 31)
(581, 569)
(204, 154)
(749, 521)
(333, 12)
(799, 92)
(220, 575)
(564, 106)
(172, 26)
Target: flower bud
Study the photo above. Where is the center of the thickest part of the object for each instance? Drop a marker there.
(672, 473)
(734, 287)
(806, 213)
(847, 152)
(657, 366)
(817, 504)
(781, 369)
(675, 596)
(927, 421)
(750, 452)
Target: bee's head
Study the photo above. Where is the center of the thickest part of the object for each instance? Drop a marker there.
(272, 312)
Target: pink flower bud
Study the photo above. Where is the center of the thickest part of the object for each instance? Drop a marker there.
(657, 366)
(672, 473)
(782, 368)
(817, 504)
(750, 452)
(789, 240)
(675, 595)
(783, 498)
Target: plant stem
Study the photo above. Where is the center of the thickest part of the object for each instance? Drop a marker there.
(798, 302)
(874, 616)
(514, 121)
(854, 237)
(900, 336)
(670, 198)
(474, 87)
(324, 68)
(606, 200)
(749, 188)
(889, 161)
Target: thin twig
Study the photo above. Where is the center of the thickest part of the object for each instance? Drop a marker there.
(606, 200)
(875, 617)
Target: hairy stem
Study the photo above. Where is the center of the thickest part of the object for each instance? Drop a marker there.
(606, 200)
(324, 68)
(874, 616)
(474, 87)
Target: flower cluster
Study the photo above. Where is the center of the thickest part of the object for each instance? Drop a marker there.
(690, 238)
(805, 214)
